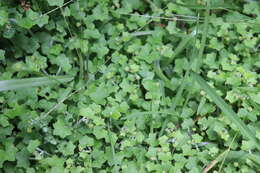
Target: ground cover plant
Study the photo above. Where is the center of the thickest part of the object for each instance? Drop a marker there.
(131, 86)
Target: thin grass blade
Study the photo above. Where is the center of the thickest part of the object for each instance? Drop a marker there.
(159, 73)
(202, 7)
(203, 39)
(141, 33)
(137, 114)
(226, 109)
(111, 142)
(181, 46)
(183, 83)
(14, 84)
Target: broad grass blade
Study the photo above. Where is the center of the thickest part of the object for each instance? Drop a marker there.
(14, 84)
(226, 109)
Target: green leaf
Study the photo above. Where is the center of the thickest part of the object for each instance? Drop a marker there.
(61, 129)
(92, 33)
(152, 152)
(3, 16)
(171, 27)
(22, 158)
(98, 94)
(87, 112)
(100, 49)
(36, 62)
(2, 158)
(164, 156)
(226, 109)
(16, 111)
(181, 46)
(2, 55)
(112, 112)
(252, 8)
(133, 4)
(30, 45)
(42, 20)
(100, 132)
(15, 84)
(86, 141)
(67, 148)
(64, 62)
(247, 145)
(26, 22)
(10, 150)
(180, 65)
(4, 121)
(32, 15)
(255, 97)
(215, 44)
(210, 60)
(53, 161)
(33, 144)
(9, 31)
(100, 12)
(56, 49)
(55, 2)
